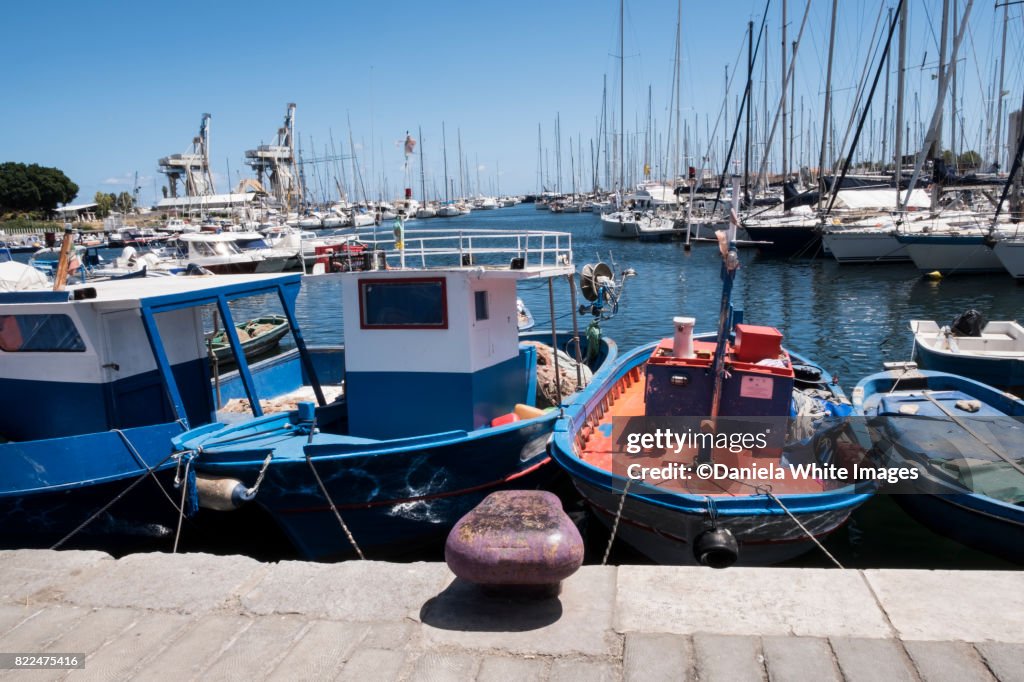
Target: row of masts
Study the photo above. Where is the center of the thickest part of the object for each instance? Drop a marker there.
(291, 180)
(630, 159)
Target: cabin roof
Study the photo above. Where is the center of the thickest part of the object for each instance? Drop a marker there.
(481, 271)
(207, 237)
(154, 291)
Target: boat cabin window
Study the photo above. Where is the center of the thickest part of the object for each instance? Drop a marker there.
(480, 298)
(39, 334)
(251, 244)
(201, 248)
(403, 303)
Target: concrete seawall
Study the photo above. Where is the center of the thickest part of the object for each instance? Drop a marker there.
(160, 616)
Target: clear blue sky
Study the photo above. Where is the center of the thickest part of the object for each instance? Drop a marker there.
(102, 90)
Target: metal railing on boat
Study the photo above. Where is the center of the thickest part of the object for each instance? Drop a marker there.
(465, 247)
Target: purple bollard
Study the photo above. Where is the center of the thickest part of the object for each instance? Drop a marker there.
(515, 541)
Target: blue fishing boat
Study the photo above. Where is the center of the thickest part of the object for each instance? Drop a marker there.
(962, 442)
(436, 406)
(94, 383)
(992, 352)
(760, 496)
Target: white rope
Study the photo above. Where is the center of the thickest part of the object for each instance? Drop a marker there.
(181, 507)
(772, 495)
(251, 492)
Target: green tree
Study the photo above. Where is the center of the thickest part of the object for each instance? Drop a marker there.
(34, 187)
(104, 204)
(969, 159)
(124, 203)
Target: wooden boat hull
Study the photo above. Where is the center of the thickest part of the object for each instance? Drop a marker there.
(664, 526)
(395, 496)
(42, 499)
(1005, 373)
(666, 536)
(935, 499)
(256, 345)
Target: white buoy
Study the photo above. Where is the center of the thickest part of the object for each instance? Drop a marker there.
(682, 342)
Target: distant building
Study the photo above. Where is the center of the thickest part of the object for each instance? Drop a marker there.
(76, 212)
(210, 203)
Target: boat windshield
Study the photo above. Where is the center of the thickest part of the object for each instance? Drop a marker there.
(201, 248)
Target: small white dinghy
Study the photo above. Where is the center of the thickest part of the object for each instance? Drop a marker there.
(994, 355)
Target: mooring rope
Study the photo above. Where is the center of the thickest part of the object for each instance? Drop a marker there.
(181, 508)
(149, 470)
(767, 491)
(334, 508)
(251, 492)
(108, 505)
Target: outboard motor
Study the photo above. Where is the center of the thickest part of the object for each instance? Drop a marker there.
(968, 323)
(716, 548)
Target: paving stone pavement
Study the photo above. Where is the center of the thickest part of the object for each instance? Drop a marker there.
(191, 617)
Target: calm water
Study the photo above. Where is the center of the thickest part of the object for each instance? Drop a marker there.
(849, 319)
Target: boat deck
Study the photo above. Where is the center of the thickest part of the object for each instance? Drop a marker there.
(595, 445)
(989, 344)
(238, 409)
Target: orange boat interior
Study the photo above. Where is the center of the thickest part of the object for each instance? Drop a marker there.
(595, 445)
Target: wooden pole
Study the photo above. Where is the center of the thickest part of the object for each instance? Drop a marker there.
(60, 278)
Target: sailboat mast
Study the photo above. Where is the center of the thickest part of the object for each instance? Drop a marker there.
(900, 85)
(675, 156)
(952, 108)
(997, 156)
(444, 153)
(423, 173)
(885, 109)
(540, 164)
(622, 95)
(750, 93)
(785, 118)
(462, 184)
(828, 105)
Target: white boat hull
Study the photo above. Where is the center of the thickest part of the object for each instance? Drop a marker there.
(1010, 253)
(865, 247)
(953, 255)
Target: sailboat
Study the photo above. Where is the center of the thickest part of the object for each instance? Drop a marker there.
(425, 210)
(448, 209)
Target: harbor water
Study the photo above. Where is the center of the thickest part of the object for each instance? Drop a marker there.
(849, 319)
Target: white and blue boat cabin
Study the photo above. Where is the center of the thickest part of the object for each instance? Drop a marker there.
(439, 404)
(431, 351)
(96, 380)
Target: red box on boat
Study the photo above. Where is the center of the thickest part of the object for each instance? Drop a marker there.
(755, 343)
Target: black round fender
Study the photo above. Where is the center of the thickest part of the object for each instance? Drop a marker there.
(716, 548)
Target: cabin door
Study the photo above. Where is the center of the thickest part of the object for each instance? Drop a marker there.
(134, 389)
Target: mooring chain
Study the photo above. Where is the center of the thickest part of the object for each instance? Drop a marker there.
(615, 525)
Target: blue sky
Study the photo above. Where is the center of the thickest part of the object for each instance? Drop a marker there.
(102, 90)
